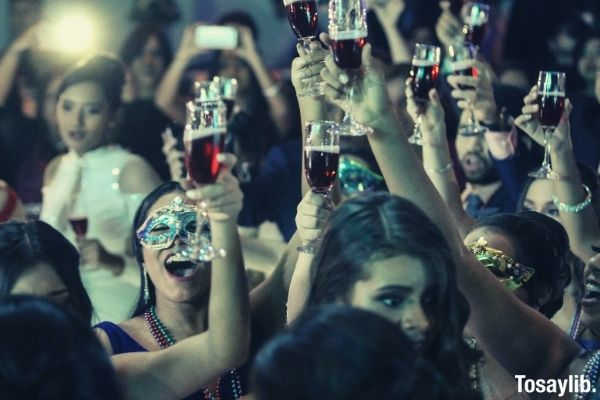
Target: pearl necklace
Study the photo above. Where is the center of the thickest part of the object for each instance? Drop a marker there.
(590, 371)
(163, 337)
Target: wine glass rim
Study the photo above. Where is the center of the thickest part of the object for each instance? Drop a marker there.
(428, 46)
(542, 71)
(322, 122)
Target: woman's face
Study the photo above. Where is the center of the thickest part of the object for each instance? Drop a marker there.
(148, 67)
(589, 61)
(500, 242)
(41, 280)
(396, 288)
(83, 116)
(539, 199)
(177, 281)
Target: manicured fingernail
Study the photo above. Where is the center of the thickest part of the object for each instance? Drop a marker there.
(344, 78)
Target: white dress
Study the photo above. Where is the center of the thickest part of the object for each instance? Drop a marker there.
(110, 214)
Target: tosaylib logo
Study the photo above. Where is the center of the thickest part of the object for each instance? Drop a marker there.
(560, 387)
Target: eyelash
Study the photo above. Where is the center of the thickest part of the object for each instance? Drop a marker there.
(386, 299)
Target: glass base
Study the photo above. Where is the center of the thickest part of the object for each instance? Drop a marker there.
(349, 127)
(544, 172)
(416, 139)
(471, 130)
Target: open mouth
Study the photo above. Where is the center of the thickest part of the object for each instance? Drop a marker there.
(592, 293)
(180, 267)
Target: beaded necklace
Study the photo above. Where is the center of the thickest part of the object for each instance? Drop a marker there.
(590, 371)
(163, 337)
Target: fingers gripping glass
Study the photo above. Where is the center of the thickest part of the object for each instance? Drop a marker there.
(303, 16)
(204, 141)
(424, 73)
(321, 160)
(348, 32)
(461, 57)
(551, 103)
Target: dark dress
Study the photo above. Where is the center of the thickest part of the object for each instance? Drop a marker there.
(121, 343)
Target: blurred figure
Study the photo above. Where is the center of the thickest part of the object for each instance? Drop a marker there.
(37, 260)
(312, 361)
(11, 207)
(97, 182)
(47, 354)
(147, 54)
(23, 15)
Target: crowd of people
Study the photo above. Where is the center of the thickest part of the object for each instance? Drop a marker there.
(441, 271)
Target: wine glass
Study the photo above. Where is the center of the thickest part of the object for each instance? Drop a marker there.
(79, 223)
(475, 16)
(424, 73)
(348, 32)
(204, 140)
(303, 16)
(551, 103)
(321, 159)
(460, 55)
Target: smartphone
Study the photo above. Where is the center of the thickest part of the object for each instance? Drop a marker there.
(217, 37)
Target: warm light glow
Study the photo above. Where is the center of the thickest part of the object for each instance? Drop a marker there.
(74, 33)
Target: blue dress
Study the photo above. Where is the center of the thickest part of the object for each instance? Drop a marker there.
(121, 343)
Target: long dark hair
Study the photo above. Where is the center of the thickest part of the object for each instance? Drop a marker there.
(47, 353)
(374, 226)
(137, 39)
(140, 216)
(23, 245)
(341, 353)
(540, 243)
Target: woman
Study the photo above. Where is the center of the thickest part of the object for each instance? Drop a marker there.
(383, 364)
(47, 353)
(180, 298)
(37, 260)
(97, 182)
(542, 350)
(381, 253)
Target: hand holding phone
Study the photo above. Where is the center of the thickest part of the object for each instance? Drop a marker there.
(214, 37)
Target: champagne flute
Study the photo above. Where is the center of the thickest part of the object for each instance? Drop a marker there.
(551, 103)
(475, 16)
(460, 55)
(204, 140)
(303, 16)
(424, 74)
(348, 32)
(321, 160)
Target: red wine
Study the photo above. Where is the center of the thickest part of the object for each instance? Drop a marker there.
(551, 108)
(347, 52)
(474, 34)
(201, 155)
(230, 104)
(424, 76)
(321, 167)
(79, 225)
(303, 16)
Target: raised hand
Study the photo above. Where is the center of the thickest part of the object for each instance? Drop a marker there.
(477, 91)
(312, 214)
(528, 122)
(370, 101)
(448, 27)
(175, 157)
(246, 49)
(433, 125)
(306, 68)
(188, 48)
(222, 201)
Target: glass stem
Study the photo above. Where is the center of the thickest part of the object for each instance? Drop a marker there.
(305, 42)
(417, 127)
(547, 148)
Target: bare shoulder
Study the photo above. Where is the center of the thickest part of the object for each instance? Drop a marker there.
(138, 176)
(104, 340)
(51, 168)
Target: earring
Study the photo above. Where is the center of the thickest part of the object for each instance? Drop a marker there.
(146, 290)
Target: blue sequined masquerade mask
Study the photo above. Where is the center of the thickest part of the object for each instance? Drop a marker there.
(357, 177)
(161, 230)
